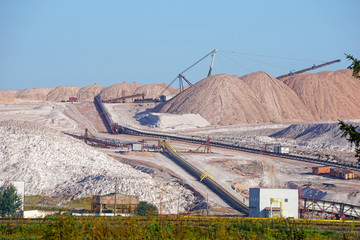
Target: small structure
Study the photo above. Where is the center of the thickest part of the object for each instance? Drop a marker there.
(72, 99)
(334, 172)
(346, 174)
(165, 98)
(342, 173)
(280, 149)
(321, 170)
(34, 214)
(137, 146)
(122, 203)
(270, 202)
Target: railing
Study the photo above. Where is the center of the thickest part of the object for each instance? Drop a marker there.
(309, 205)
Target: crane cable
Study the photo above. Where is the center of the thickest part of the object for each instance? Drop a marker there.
(187, 70)
(267, 56)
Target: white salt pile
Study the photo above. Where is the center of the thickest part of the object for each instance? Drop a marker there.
(53, 164)
(166, 121)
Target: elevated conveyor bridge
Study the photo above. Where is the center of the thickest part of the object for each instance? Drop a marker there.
(209, 182)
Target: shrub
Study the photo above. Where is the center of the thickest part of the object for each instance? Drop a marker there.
(146, 209)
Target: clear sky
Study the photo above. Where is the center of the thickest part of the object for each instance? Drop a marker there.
(81, 42)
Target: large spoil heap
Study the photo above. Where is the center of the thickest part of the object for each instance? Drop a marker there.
(329, 95)
(254, 98)
(260, 98)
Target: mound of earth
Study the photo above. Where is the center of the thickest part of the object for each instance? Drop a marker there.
(89, 92)
(6, 100)
(323, 135)
(119, 90)
(39, 94)
(225, 100)
(280, 102)
(8, 93)
(154, 90)
(62, 93)
(220, 99)
(329, 95)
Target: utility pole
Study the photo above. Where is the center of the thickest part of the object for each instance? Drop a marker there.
(312, 213)
(207, 204)
(178, 206)
(115, 196)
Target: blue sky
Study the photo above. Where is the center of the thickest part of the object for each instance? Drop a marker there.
(82, 42)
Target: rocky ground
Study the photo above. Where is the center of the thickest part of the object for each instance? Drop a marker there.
(54, 164)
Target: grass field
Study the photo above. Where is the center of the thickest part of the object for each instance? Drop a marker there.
(177, 227)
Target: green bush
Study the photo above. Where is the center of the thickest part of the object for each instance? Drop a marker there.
(146, 209)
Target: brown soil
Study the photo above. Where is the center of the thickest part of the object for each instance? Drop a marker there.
(154, 90)
(62, 93)
(86, 115)
(119, 90)
(39, 94)
(225, 100)
(89, 92)
(329, 95)
(8, 93)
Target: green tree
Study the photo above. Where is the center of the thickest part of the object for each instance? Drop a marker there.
(355, 65)
(352, 135)
(10, 201)
(145, 209)
(349, 131)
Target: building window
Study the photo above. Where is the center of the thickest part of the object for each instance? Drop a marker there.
(286, 200)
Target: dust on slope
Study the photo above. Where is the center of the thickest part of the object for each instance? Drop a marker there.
(329, 95)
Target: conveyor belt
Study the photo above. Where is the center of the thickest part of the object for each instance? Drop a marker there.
(210, 183)
(352, 166)
(126, 130)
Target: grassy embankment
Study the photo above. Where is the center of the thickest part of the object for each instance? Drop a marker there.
(177, 227)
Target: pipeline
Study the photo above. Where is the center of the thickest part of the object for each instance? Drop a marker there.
(210, 183)
(104, 142)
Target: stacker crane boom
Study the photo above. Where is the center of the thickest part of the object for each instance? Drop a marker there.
(308, 69)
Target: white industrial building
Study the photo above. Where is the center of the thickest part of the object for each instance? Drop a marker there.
(137, 146)
(273, 202)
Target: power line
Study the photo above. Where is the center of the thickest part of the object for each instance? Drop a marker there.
(235, 62)
(267, 56)
(270, 64)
